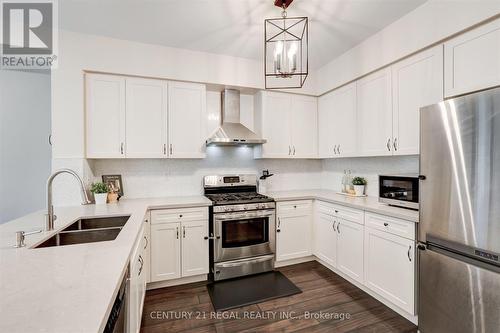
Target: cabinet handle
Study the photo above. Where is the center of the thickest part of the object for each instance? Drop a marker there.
(147, 242)
(395, 144)
(289, 150)
(279, 222)
(121, 148)
(171, 149)
(164, 149)
(177, 232)
(338, 228)
(334, 226)
(338, 149)
(141, 261)
(183, 232)
(409, 249)
(293, 150)
(386, 224)
(389, 144)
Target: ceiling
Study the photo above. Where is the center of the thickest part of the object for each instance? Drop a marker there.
(232, 27)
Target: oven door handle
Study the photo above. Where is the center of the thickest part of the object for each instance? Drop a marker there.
(240, 262)
(243, 215)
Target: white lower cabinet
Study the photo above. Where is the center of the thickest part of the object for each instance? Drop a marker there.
(325, 238)
(179, 249)
(390, 267)
(350, 249)
(137, 285)
(293, 230)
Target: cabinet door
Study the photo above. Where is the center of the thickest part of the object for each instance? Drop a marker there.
(134, 295)
(304, 127)
(389, 267)
(146, 118)
(350, 249)
(165, 251)
(374, 114)
(293, 235)
(344, 118)
(147, 248)
(326, 126)
(194, 248)
(104, 116)
(472, 60)
(325, 239)
(186, 120)
(417, 82)
(275, 124)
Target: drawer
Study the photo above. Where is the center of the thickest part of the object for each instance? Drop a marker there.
(343, 212)
(178, 215)
(392, 225)
(294, 207)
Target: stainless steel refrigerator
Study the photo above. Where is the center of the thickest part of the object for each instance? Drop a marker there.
(459, 229)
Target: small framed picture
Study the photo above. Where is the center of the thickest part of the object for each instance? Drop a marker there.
(114, 183)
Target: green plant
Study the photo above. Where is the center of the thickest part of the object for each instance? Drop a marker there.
(99, 188)
(358, 181)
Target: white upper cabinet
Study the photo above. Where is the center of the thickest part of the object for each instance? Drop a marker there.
(374, 114)
(274, 124)
(304, 126)
(146, 118)
(186, 120)
(337, 123)
(417, 82)
(289, 124)
(105, 116)
(472, 60)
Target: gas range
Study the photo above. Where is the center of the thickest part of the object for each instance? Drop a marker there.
(242, 226)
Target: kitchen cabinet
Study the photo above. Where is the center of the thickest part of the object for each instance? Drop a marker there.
(390, 267)
(146, 118)
(137, 285)
(350, 248)
(337, 126)
(165, 251)
(289, 124)
(178, 244)
(472, 60)
(325, 238)
(105, 116)
(417, 82)
(186, 120)
(374, 114)
(293, 230)
(194, 248)
(147, 248)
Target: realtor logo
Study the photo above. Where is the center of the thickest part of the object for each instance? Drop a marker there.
(28, 34)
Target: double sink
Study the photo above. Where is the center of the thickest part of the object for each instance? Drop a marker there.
(87, 230)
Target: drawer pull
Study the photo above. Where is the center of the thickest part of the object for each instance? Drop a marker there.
(386, 224)
(180, 215)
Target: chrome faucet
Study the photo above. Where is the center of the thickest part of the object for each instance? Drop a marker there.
(49, 222)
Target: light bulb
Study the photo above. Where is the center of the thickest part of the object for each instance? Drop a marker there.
(278, 51)
(292, 57)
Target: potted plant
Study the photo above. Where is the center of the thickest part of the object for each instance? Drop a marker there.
(359, 185)
(100, 191)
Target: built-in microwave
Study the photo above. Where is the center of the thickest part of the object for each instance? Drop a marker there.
(399, 190)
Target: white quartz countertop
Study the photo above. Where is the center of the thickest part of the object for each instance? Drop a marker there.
(369, 204)
(69, 288)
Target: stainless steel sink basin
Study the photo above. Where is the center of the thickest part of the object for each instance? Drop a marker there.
(98, 223)
(90, 230)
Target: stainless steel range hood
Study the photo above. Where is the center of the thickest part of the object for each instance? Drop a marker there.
(231, 132)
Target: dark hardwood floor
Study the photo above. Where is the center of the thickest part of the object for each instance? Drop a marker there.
(188, 308)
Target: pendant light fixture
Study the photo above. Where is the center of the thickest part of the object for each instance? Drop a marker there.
(286, 62)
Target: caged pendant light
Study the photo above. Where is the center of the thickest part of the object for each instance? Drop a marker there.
(286, 62)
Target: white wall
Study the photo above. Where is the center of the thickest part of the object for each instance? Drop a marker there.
(435, 20)
(368, 167)
(80, 52)
(25, 156)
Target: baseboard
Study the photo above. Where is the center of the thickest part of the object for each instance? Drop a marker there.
(294, 261)
(403, 313)
(176, 282)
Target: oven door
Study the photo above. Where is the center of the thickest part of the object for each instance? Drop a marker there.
(244, 234)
